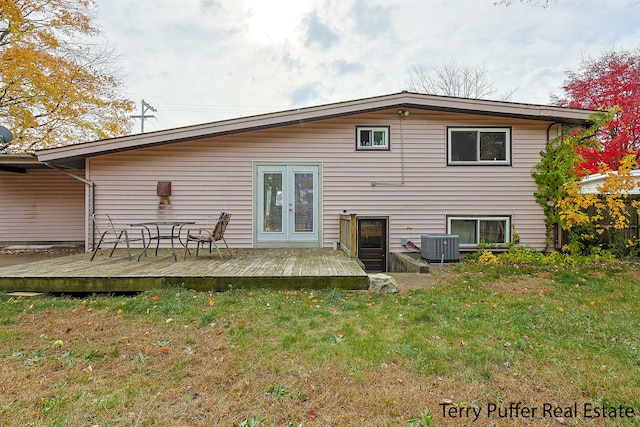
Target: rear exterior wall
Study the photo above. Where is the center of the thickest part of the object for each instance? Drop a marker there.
(217, 174)
(41, 206)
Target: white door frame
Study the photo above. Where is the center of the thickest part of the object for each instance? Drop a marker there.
(286, 236)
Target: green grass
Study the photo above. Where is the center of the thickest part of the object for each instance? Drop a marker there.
(175, 357)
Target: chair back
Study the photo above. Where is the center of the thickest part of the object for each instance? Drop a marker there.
(221, 226)
(103, 224)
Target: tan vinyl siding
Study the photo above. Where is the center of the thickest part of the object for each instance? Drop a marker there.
(216, 174)
(41, 206)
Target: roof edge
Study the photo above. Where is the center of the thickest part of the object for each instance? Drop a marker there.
(301, 115)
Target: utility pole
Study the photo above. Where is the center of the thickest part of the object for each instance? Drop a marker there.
(145, 107)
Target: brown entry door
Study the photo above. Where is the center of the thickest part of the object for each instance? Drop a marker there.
(372, 244)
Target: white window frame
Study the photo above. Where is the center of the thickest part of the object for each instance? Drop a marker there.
(478, 219)
(387, 137)
(479, 130)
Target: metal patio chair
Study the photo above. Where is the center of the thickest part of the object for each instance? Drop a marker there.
(209, 236)
(110, 234)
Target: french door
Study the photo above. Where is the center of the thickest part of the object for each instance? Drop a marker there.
(287, 204)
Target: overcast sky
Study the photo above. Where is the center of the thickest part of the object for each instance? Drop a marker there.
(198, 61)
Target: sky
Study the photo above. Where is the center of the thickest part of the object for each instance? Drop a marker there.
(200, 61)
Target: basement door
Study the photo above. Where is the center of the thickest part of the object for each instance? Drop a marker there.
(372, 244)
(287, 206)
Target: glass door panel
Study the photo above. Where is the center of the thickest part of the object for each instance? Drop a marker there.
(272, 202)
(304, 196)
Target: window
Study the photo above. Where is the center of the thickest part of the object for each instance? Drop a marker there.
(473, 230)
(372, 137)
(479, 146)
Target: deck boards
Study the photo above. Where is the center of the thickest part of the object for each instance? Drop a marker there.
(277, 268)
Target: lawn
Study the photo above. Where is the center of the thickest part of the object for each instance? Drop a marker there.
(486, 346)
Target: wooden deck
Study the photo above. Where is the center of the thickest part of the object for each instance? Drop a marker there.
(269, 268)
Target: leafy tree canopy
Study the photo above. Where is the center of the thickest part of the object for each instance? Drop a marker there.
(611, 81)
(55, 84)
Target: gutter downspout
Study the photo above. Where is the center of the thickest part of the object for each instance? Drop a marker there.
(402, 114)
(557, 231)
(91, 185)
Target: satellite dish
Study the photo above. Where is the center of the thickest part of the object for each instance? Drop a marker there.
(5, 135)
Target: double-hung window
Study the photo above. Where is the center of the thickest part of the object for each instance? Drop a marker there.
(490, 230)
(474, 146)
(372, 137)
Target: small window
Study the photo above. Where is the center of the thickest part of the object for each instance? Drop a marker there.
(467, 146)
(372, 138)
(475, 230)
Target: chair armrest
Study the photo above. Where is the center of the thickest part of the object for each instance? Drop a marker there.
(200, 232)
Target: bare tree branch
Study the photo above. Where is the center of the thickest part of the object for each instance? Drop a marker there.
(545, 3)
(453, 79)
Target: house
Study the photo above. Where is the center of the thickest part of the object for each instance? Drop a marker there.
(39, 204)
(596, 184)
(406, 164)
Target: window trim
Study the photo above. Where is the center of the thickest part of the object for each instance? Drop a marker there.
(507, 129)
(478, 219)
(372, 128)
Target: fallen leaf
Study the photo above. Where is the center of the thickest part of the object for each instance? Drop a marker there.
(211, 301)
(88, 370)
(156, 298)
(164, 350)
(560, 309)
(169, 320)
(311, 415)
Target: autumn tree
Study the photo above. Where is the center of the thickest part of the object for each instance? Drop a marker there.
(55, 84)
(590, 218)
(613, 80)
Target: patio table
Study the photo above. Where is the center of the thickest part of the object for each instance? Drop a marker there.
(157, 236)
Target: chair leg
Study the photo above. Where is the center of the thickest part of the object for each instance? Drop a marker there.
(225, 243)
(126, 239)
(217, 249)
(95, 251)
(144, 242)
(118, 238)
(186, 248)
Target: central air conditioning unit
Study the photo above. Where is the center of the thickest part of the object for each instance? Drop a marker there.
(440, 247)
